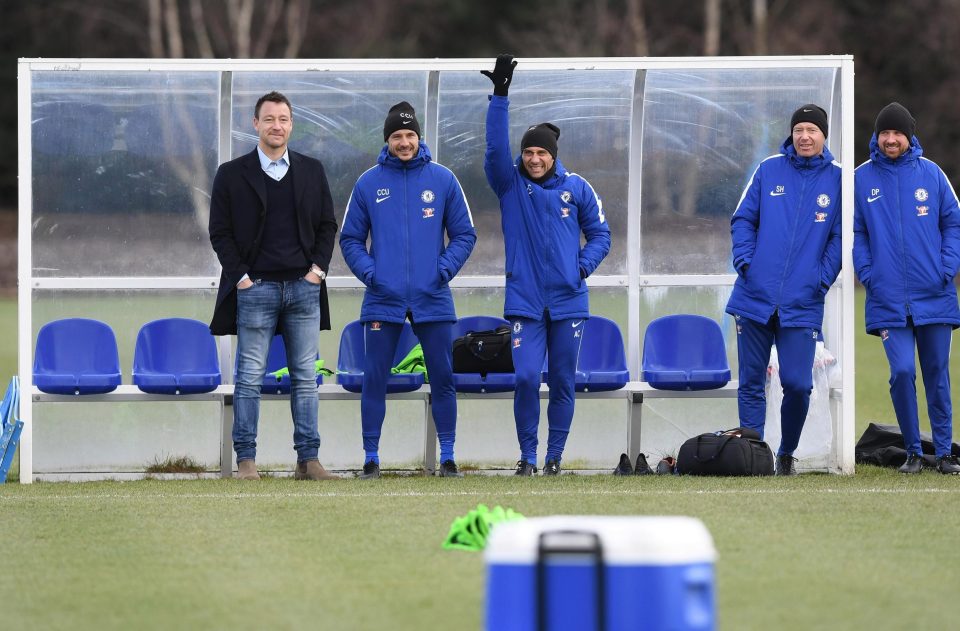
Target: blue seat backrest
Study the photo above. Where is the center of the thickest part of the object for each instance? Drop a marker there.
(177, 346)
(602, 346)
(685, 352)
(75, 350)
(352, 349)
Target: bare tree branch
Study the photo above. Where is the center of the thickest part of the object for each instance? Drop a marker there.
(266, 27)
(298, 13)
(172, 21)
(155, 28)
(711, 28)
(204, 47)
(759, 27)
(240, 14)
(637, 26)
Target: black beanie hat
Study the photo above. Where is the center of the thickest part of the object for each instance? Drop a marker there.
(401, 116)
(544, 135)
(810, 113)
(895, 116)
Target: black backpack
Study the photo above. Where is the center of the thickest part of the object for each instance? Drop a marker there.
(738, 451)
(483, 351)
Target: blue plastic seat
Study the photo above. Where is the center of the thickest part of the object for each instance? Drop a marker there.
(602, 362)
(276, 359)
(76, 356)
(176, 356)
(474, 381)
(353, 349)
(685, 352)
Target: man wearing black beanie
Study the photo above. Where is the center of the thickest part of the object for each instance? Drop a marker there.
(786, 251)
(906, 250)
(545, 209)
(421, 232)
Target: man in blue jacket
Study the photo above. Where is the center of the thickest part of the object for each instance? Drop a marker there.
(906, 250)
(544, 208)
(786, 251)
(405, 204)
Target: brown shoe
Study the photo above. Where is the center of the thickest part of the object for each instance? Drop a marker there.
(247, 470)
(312, 470)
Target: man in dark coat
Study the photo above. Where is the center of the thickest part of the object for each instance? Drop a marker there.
(273, 228)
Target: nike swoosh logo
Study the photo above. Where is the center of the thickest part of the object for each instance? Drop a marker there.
(406, 122)
(772, 194)
(576, 324)
(870, 200)
(807, 110)
(380, 199)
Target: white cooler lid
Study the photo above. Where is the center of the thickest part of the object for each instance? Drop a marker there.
(626, 540)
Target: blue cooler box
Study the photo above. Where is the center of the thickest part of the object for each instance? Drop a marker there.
(598, 573)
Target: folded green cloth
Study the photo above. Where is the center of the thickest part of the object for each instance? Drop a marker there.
(470, 532)
(412, 363)
(318, 366)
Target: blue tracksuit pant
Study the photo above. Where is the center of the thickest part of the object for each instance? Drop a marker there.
(932, 342)
(796, 347)
(380, 345)
(558, 341)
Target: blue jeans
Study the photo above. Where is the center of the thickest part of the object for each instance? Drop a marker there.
(294, 305)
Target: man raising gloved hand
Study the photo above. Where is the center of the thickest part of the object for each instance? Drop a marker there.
(502, 74)
(546, 295)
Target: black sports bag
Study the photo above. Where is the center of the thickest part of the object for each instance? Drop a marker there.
(738, 451)
(483, 351)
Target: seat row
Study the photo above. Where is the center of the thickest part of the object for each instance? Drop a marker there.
(179, 356)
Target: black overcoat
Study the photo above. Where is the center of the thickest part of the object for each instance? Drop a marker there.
(238, 208)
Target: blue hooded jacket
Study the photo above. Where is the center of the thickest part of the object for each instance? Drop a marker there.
(787, 230)
(541, 230)
(407, 207)
(906, 239)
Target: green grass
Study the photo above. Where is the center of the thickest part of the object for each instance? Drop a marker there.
(873, 550)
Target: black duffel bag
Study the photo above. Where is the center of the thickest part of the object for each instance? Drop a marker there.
(483, 351)
(737, 451)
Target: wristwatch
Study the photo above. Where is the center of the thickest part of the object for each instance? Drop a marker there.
(319, 272)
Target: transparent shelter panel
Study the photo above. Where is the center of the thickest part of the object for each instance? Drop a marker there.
(130, 437)
(122, 167)
(337, 118)
(125, 311)
(593, 110)
(668, 422)
(704, 133)
(705, 300)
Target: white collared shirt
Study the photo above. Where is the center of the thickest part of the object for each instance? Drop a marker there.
(276, 169)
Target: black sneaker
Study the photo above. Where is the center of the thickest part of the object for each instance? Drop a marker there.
(948, 465)
(551, 467)
(371, 471)
(914, 464)
(448, 469)
(525, 468)
(642, 467)
(623, 467)
(785, 465)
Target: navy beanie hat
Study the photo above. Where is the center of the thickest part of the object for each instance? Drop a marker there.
(401, 116)
(895, 116)
(544, 135)
(810, 113)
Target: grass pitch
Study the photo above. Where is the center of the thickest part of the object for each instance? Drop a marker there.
(877, 550)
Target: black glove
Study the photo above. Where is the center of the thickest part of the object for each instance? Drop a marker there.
(502, 74)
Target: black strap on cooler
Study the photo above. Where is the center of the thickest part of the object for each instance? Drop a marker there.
(558, 543)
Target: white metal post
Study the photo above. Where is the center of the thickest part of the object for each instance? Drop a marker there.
(25, 268)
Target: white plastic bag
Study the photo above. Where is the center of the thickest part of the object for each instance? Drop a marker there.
(816, 439)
